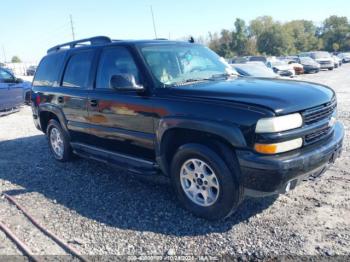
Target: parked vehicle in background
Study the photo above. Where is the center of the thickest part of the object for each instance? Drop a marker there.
(345, 57)
(12, 91)
(322, 57)
(298, 68)
(258, 59)
(281, 68)
(178, 108)
(254, 70)
(31, 70)
(336, 60)
(309, 64)
(238, 60)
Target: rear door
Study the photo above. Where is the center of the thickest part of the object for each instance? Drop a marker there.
(72, 96)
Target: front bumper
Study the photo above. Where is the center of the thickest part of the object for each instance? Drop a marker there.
(273, 174)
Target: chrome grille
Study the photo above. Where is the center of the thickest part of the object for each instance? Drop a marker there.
(318, 113)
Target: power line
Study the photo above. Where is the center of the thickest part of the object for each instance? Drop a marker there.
(72, 26)
(154, 24)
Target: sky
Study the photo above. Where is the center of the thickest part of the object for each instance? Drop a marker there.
(29, 28)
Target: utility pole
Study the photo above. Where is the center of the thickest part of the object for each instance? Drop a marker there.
(4, 53)
(154, 24)
(72, 26)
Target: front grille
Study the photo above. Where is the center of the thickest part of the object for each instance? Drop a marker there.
(318, 113)
(318, 135)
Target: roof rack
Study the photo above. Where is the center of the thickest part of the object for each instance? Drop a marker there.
(97, 40)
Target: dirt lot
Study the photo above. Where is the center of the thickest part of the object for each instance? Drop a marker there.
(101, 210)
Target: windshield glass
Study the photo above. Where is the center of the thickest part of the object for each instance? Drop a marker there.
(306, 60)
(180, 64)
(319, 55)
(255, 70)
(278, 63)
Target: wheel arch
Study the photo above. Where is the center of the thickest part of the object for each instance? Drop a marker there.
(172, 133)
(48, 112)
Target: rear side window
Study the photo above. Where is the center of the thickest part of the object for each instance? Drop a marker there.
(48, 70)
(77, 73)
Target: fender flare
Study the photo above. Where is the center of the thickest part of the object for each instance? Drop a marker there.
(230, 133)
(56, 111)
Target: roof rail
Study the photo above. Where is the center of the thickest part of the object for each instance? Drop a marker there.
(97, 40)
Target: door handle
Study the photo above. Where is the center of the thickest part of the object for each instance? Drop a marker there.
(93, 102)
(60, 99)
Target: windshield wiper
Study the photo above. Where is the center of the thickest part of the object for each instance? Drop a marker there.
(190, 81)
(220, 76)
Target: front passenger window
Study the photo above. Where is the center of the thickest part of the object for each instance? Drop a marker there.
(115, 61)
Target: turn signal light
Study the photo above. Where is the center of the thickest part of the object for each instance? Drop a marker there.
(279, 147)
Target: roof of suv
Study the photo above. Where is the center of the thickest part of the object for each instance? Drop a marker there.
(104, 40)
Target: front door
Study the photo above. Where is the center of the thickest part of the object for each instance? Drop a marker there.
(120, 120)
(11, 93)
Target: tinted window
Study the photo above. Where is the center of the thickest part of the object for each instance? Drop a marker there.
(115, 61)
(77, 71)
(48, 70)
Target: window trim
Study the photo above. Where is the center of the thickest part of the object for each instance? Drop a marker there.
(91, 72)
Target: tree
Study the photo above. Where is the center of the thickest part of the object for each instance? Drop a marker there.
(240, 37)
(16, 59)
(303, 33)
(275, 41)
(336, 29)
(260, 25)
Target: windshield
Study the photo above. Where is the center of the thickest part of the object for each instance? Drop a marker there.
(184, 64)
(319, 55)
(306, 60)
(278, 63)
(255, 70)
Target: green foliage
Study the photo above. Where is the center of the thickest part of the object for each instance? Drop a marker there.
(16, 59)
(263, 35)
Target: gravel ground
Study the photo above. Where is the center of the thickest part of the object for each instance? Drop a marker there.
(101, 210)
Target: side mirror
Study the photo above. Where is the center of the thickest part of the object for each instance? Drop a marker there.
(18, 80)
(124, 82)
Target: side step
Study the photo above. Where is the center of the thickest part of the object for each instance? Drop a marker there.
(130, 163)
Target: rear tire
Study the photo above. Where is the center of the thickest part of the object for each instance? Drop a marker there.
(330, 69)
(58, 141)
(204, 183)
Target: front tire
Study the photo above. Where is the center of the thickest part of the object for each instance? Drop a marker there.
(58, 141)
(204, 183)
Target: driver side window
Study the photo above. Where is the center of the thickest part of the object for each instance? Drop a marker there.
(6, 77)
(116, 61)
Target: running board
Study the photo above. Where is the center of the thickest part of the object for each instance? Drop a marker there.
(130, 163)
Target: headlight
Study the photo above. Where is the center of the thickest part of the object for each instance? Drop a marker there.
(279, 147)
(279, 123)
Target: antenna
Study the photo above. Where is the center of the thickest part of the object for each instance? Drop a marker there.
(154, 24)
(72, 26)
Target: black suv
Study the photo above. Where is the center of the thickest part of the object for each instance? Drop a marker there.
(177, 108)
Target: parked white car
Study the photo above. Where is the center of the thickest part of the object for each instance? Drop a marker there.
(322, 57)
(345, 57)
(337, 61)
(281, 68)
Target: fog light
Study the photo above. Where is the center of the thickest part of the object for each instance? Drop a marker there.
(279, 147)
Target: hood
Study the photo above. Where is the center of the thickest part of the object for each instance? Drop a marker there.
(324, 59)
(280, 96)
